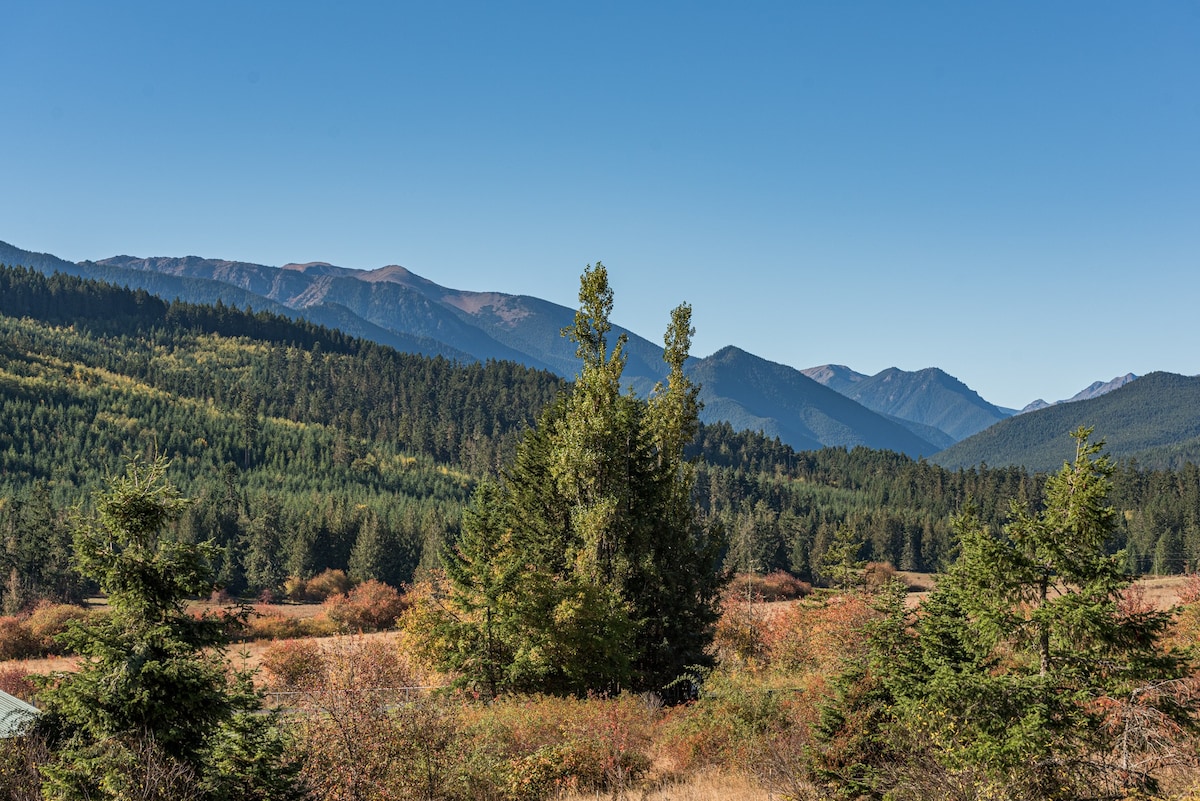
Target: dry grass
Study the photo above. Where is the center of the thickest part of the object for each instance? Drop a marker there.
(1163, 591)
(705, 786)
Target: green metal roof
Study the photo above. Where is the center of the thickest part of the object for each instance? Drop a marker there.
(14, 714)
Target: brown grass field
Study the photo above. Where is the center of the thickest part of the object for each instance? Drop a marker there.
(1161, 591)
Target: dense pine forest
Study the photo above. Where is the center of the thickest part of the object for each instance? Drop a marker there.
(305, 449)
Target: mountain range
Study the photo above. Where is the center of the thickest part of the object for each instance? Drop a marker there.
(919, 413)
(1093, 390)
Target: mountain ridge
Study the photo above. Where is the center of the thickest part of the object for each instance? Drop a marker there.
(396, 306)
(1152, 420)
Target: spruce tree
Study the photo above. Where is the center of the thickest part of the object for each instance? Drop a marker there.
(1029, 671)
(152, 710)
(613, 580)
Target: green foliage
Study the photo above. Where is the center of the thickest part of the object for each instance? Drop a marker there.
(1027, 668)
(152, 708)
(1151, 420)
(588, 570)
(306, 450)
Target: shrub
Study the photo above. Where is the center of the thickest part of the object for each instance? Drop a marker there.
(783, 586)
(370, 606)
(778, 585)
(817, 636)
(294, 664)
(365, 735)
(878, 574)
(20, 758)
(294, 589)
(49, 620)
(738, 635)
(1189, 593)
(541, 746)
(16, 640)
(273, 626)
(731, 725)
(17, 682)
(318, 588)
(325, 584)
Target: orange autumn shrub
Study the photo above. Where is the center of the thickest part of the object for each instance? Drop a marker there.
(817, 637)
(371, 606)
(293, 664)
(542, 746)
(273, 626)
(738, 633)
(732, 725)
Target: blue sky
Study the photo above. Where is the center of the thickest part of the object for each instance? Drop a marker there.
(1007, 190)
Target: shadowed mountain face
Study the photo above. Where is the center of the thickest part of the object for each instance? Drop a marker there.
(930, 397)
(1155, 420)
(753, 393)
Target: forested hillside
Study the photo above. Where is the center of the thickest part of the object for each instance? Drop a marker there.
(1152, 420)
(307, 449)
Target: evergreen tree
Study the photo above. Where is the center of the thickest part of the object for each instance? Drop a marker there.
(152, 710)
(613, 580)
(1028, 671)
(482, 573)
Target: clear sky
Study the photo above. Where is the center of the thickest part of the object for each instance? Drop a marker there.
(1007, 190)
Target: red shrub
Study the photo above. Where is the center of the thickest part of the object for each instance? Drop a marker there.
(294, 664)
(1190, 592)
(778, 585)
(783, 586)
(16, 682)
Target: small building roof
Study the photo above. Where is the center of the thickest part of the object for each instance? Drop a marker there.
(14, 714)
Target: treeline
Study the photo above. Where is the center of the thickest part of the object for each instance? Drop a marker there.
(306, 449)
(781, 509)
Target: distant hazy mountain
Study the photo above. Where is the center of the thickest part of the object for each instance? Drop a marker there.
(929, 397)
(781, 401)
(310, 290)
(206, 290)
(837, 377)
(1094, 390)
(1155, 420)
